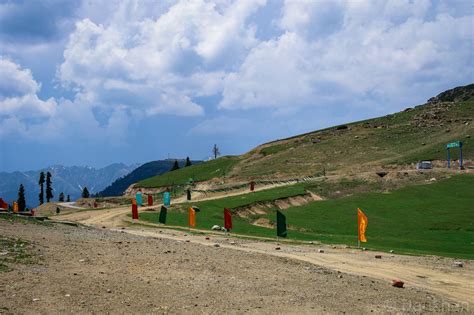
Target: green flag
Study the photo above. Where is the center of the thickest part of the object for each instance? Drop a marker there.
(162, 218)
(281, 224)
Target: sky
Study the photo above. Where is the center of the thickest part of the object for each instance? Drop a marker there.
(97, 82)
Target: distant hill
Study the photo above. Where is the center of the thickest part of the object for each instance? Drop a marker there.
(67, 179)
(400, 139)
(146, 170)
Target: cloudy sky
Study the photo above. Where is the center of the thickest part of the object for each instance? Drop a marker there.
(96, 82)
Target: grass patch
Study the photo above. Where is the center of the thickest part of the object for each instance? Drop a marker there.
(15, 251)
(199, 172)
(426, 219)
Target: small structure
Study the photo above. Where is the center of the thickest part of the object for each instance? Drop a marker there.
(3, 205)
(456, 144)
(252, 186)
(424, 165)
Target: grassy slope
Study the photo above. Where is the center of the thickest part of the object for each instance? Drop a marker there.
(396, 141)
(199, 172)
(424, 219)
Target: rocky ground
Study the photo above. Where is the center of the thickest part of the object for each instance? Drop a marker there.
(89, 270)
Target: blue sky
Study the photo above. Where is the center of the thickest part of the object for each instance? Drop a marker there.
(97, 82)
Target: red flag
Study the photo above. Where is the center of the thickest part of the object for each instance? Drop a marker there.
(227, 219)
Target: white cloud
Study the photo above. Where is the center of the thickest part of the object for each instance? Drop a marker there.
(18, 93)
(158, 64)
(386, 52)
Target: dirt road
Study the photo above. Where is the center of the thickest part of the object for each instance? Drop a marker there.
(95, 270)
(434, 274)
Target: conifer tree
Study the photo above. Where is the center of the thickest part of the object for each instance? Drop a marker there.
(61, 197)
(41, 184)
(85, 193)
(215, 151)
(21, 198)
(49, 189)
(175, 166)
(188, 162)
(68, 198)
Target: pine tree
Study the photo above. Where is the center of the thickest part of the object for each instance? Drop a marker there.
(188, 162)
(175, 166)
(68, 199)
(215, 151)
(49, 189)
(21, 198)
(85, 193)
(41, 184)
(61, 197)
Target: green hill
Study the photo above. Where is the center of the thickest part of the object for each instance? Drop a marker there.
(399, 139)
(118, 187)
(434, 218)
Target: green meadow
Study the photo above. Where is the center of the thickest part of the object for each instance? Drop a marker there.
(200, 172)
(435, 218)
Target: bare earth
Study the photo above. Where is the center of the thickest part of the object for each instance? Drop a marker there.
(97, 270)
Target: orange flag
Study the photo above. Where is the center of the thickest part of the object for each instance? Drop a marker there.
(362, 223)
(192, 218)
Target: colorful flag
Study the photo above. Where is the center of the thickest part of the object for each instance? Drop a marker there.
(166, 198)
(362, 223)
(15, 206)
(138, 197)
(281, 225)
(134, 212)
(162, 218)
(227, 219)
(134, 201)
(150, 200)
(192, 217)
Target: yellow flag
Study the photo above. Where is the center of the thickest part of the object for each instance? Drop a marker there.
(15, 206)
(134, 201)
(192, 217)
(362, 223)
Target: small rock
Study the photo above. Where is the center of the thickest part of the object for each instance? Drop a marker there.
(207, 238)
(339, 276)
(35, 299)
(82, 260)
(363, 248)
(67, 295)
(378, 256)
(397, 283)
(277, 248)
(109, 291)
(320, 250)
(458, 264)
(392, 251)
(233, 243)
(217, 245)
(187, 241)
(216, 228)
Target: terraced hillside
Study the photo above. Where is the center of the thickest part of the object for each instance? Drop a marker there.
(396, 140)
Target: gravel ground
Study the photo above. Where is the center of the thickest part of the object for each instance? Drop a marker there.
(86, 270)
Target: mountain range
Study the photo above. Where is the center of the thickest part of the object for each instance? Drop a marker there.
(67, 179)
(146, 170)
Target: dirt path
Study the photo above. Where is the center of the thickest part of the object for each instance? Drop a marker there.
(90, 270)
(429, 273)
